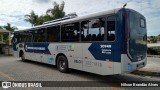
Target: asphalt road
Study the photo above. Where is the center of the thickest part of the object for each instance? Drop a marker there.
(152, 65)
(13, 69)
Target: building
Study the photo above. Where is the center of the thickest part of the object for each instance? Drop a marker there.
(5, 48)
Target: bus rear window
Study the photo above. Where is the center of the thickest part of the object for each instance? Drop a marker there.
(142, 23)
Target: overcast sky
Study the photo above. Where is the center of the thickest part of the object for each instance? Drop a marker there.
(13, 11)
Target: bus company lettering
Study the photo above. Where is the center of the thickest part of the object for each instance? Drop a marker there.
(35, 48)
(105, 49)
(61, 47)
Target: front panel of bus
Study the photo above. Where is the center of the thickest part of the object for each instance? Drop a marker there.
(136, 41)
(15, 40)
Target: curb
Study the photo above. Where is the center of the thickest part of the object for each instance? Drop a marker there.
(156, 56)
(146, 73)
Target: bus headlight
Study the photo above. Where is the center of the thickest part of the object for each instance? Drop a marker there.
(129, 67)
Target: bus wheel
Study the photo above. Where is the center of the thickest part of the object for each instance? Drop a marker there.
(22, 57)
(62, 64)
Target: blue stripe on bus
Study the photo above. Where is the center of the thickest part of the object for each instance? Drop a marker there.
(103, 51)
(37, 48)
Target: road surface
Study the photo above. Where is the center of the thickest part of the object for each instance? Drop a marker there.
(13, 69)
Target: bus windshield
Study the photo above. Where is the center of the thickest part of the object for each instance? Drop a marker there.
(138, 36)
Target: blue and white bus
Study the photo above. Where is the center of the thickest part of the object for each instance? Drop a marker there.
(105, 43)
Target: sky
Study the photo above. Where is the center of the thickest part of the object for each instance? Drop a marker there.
(13, 11)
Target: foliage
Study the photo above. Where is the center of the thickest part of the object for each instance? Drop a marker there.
(153, 39)
(1, 27)
(153, 51)
(57, 11)
(31, 18)
(9, 28)
(53, 13)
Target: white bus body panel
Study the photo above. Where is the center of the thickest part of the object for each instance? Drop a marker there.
(125, 61)
(80, 58)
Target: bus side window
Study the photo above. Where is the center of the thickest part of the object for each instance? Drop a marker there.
(35, 36)
(53, 34)
(38, 35)
(15, 39)
(27, 37)
(111, 28)
(93, 30)
(42, 35)
(70, 32)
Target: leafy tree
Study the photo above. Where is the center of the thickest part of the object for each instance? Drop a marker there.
(153, 39)
(53, 13)
(158, 37)
(57, 11)
(9, 27)
(43, 18)
(31, 18)
(1, 27)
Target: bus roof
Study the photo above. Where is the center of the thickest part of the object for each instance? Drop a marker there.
(113, 11)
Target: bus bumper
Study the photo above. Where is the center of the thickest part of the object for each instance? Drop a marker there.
(128, 66)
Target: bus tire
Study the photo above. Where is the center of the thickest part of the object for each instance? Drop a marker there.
(22, 57)
(62, 64)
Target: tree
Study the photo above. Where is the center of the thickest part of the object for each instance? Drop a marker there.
(1, 27)
(57, 11)
(153, 39)
(43, 18)
(9, 27)
(53, 13)
(31, 18)
(158, 37)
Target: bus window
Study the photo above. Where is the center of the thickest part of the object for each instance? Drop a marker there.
(39, 35)
(142, 23)
(27, 37)
(53, 34)
(111, 28)
(24, 37)
(70, 32)
(93, 30)
(16, 39)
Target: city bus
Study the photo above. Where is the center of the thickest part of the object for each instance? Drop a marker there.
(104, 43)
